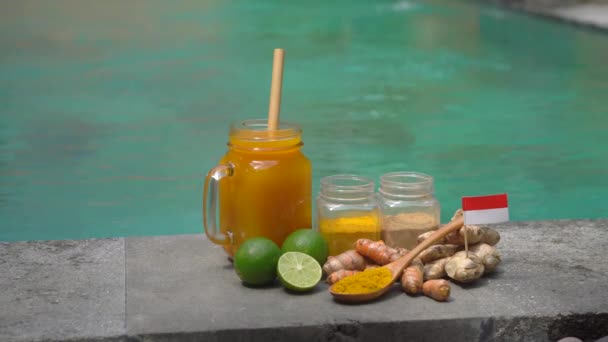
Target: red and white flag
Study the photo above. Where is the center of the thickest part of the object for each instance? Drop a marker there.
(485, 209)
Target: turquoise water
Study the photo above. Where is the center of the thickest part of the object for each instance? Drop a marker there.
(112, 112)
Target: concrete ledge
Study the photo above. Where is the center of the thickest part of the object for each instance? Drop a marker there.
(552, 284)
(592, 14)
(62, 290)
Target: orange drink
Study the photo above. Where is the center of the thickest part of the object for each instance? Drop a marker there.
(264, 185)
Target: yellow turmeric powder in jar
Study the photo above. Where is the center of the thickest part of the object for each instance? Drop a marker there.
(341, 233)
(347, 210)
(365, 282)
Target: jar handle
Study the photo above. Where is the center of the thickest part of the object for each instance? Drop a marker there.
(210, 203)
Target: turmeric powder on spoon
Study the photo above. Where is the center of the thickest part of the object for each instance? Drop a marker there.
(364, 282)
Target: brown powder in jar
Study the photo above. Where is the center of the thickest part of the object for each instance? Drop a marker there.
(402, 230)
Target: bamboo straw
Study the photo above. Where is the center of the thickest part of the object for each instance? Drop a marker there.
(275, 89)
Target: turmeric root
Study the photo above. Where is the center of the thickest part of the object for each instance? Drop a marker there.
(378, 251)
(349, 260)
(463, 269)
(370, 265)
(435, 269)
(339, 275)
(411, 280)
(436, 252)
(438, 289)
(488, 254)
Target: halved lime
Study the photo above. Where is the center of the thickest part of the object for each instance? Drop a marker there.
(298, 271)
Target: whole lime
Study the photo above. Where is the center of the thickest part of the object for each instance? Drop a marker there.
(309, 242)
(255, 262)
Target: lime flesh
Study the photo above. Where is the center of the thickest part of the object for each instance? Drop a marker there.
(298, 271)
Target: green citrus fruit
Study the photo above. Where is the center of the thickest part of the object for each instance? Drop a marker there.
(309, 242)
(298, 271)
(255, 262)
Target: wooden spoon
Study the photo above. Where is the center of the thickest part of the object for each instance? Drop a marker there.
(396, 267)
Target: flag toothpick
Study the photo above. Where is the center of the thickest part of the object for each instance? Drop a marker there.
(483, 210)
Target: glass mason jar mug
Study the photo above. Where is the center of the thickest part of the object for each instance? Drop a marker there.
(347, 210)
(409, 207)
(264, 185)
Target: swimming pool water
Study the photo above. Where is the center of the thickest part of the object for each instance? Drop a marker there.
(111, 113)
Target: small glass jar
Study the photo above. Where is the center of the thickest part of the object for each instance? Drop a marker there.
(347, 210)
(409, 207)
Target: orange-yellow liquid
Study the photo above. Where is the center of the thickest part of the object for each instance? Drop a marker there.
(270, 193)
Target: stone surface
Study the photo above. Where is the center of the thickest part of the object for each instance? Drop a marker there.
(552, 284)
(60, 290)
(592, 14)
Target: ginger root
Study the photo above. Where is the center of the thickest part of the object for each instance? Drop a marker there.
(490, 236)
(475, 234)
(378, 251)
(339, 275)
(459, 212)
(464, 269)
(438, 289)
(349, 260)
(437, 252)
(411, 280)
(488, 255)
(444, 258)
(426, 235)
(435, 269)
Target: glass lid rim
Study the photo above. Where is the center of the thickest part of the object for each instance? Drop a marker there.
(365, 182)
(418, 178)
(252, 124)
